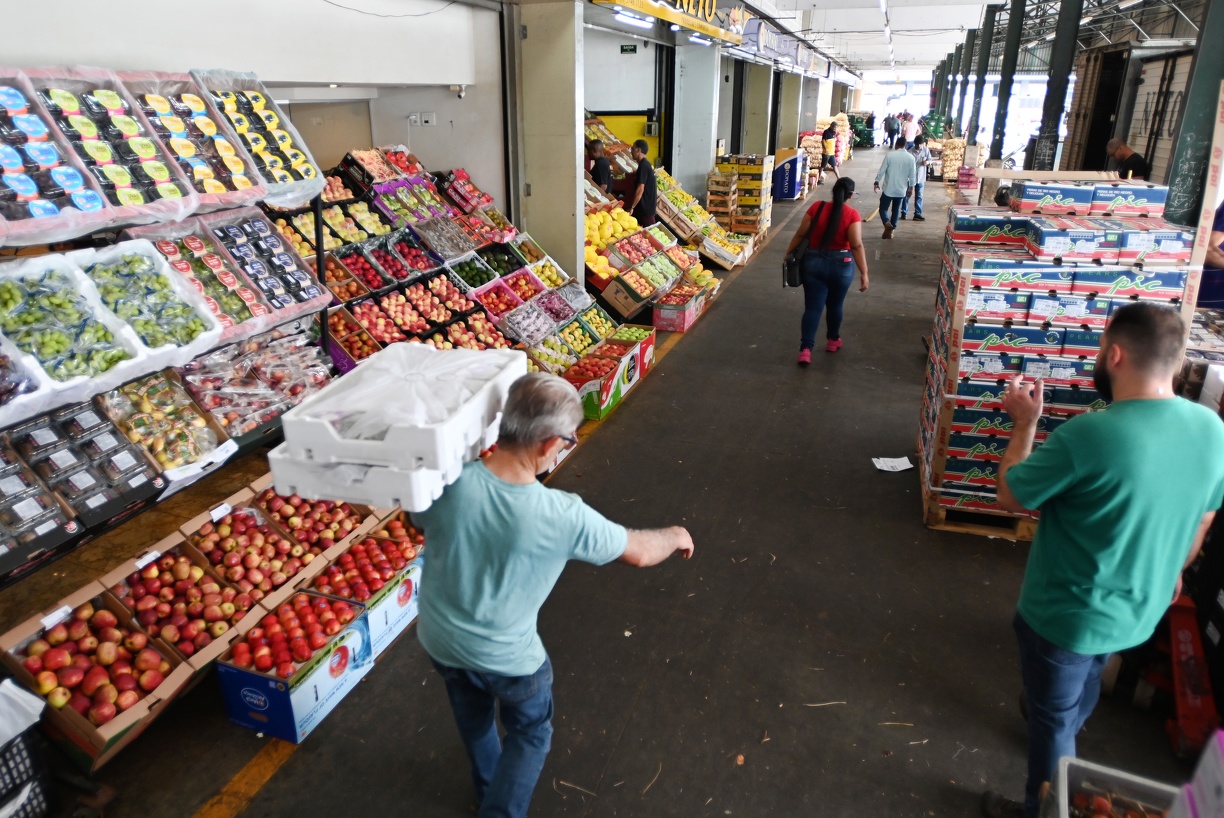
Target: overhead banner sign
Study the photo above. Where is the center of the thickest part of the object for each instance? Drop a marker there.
(700, 16)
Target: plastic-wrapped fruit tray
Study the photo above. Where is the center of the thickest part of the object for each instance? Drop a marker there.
(418, 408)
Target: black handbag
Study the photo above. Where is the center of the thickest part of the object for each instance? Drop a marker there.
(792, 265)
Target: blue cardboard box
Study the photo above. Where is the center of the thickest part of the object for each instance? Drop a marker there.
(987, 366)
(979, 422)
(1125, 198)
(1123, 282)
(1082, 342)
(1075, 400)
(1060, 371)
(1030, 276)
(969, 472)
(1012, 340)
(997, 305)
(980, 394)
(974, 226)
(1051, 198)
(1070, 311)
(976, 447)
(1051, 237)
(290, 709)
(1150, 240)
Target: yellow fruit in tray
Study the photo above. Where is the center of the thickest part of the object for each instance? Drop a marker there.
(548, 273)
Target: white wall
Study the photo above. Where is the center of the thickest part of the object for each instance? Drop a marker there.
(614, 81)
(469, 132)
(697, 85)
(726, 99)
(283, 41)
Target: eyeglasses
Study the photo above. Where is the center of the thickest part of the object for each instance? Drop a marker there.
(570, 439)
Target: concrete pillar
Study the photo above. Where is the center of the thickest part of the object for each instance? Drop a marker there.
(1062, 58)
(966, 70)
(788, 110)
(552, 128)
(698, 77)
(758, 102)
(1011, 57)
(1191, 148)
(983, 64)
(958, 62)
(824, 100)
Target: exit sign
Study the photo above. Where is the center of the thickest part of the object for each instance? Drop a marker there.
(628, 49)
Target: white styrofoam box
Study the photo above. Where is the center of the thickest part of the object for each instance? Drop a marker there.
(1076, 775)
(378, 486)
(1184, 806)
(401, 393)
(1208, 781)
(169, 354)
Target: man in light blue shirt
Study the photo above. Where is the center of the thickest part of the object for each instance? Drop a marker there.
(498, 541)
(897, 172)
(922, 158)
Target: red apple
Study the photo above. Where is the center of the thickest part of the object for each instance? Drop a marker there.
(59, 697)
(126, 699)
(101, 712)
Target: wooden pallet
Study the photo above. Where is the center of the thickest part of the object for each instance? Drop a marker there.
(1002, 524)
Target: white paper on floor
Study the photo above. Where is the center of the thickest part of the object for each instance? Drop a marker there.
(892, 463)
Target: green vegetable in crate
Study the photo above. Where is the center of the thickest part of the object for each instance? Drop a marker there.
(44, 344)
(501, 261)
(473, 273)
(12, 295)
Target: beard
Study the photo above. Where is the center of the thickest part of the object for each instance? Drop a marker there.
(1103, 382)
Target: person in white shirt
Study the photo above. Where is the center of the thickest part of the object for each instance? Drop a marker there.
(910, 129)
(922, 158)
(897, 171)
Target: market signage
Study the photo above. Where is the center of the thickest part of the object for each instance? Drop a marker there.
(677, 11)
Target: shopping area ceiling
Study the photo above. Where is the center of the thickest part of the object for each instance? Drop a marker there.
(884, 34)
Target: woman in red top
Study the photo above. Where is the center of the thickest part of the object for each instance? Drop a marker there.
(834, 235)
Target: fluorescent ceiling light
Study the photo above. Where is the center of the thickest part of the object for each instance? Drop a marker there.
(1125, 4)
(621, 17)
(887, 32)
(1087, 19)
(1050, 36)
(883, 6)
(675, 27)
(695, 39)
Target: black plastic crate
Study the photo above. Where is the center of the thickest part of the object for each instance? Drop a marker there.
(35, 802)
(19, 763)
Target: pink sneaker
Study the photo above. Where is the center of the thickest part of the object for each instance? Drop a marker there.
(805, 357)
(833, 346)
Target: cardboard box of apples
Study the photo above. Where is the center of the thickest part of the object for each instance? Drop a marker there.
(291, 665)
(104, 678)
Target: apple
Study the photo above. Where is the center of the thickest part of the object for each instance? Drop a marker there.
(124, 682)
(87, 644)
(33, 664)
(57, 635)
(101, 712)
(45, 682)
(147, 659)
(77, 629)
(94, 678)
(80, 703)
(59, 697)
(56, 658)
(126, 699)
(37, 648)
(150, 679)
(106, 693)
(135, 641)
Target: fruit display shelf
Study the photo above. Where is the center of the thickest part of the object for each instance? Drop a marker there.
(458, 186)
(502, 258)
(497, 298)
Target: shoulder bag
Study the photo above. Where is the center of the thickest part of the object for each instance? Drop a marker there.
(792, 265)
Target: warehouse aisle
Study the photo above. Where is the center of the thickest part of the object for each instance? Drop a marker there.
(856, 663)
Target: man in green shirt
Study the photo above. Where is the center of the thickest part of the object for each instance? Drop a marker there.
(498, 541)
(1126, 496)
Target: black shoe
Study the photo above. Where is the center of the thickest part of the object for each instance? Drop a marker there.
(996, 806)
(919, 219)
(902, 217)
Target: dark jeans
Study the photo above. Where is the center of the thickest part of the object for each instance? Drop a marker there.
(504, 774)
(917, 199)
(893, 203)
(826, 276)
(1062, 689)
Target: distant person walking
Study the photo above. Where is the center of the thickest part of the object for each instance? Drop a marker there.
(922, 158)
(897, 173)
(828, 147)
(892, 128)
(834, 235)
(910, 129)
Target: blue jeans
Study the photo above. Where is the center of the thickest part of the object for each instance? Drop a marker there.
(917, 200)
(826, 277)
(893, 203)
(504, 774)
(1062, 689)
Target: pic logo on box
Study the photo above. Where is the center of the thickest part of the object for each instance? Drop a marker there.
(254, 699)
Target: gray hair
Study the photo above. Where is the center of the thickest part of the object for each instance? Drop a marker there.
(538, 407)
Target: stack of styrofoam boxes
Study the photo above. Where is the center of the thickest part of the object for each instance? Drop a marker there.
(722, 194)
(425, 413)
(754, 212)
(1001, 312)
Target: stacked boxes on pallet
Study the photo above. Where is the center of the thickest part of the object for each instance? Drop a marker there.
(1002, 309)
(755, 184)
(722, 195)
